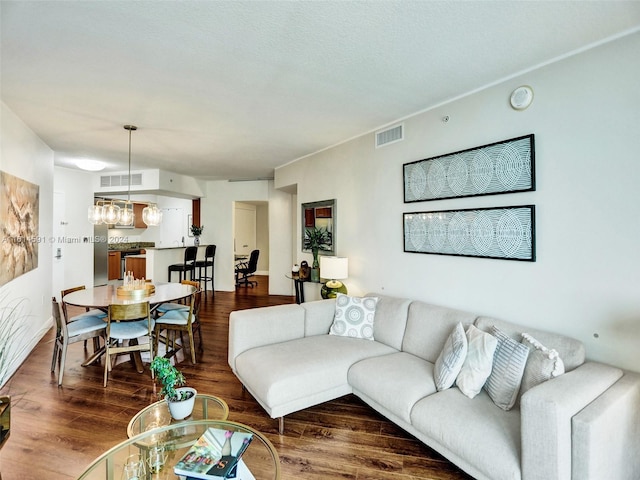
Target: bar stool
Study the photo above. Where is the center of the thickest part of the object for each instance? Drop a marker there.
(187, 266)
(209, 259)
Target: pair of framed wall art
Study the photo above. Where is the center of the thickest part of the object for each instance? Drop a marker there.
(503, 232)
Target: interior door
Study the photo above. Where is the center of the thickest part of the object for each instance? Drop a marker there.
(245, 229)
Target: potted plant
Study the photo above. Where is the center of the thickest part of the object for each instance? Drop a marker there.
(316, 239)
(196, 231)
(180, 399)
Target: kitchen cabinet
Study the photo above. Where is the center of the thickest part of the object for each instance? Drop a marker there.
(114, 266)
(137, 212)
(136, 264)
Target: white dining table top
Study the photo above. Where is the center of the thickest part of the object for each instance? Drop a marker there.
(105, 295)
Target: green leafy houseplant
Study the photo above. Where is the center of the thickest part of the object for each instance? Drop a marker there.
(316, 239)
(170, 378)
(196, 230)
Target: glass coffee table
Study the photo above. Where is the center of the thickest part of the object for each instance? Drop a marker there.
(206, 407)
(159, 449)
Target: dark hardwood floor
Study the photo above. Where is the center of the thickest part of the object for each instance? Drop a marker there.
(57, 431)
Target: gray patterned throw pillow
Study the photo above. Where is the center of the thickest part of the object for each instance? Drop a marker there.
(509, 361)
(354, 316)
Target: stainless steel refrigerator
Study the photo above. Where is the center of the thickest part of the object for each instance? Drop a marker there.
(100, 255)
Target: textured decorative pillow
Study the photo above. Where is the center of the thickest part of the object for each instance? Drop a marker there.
(543, 364)
(477, 365)
(451, 358)
(509, 361)
(354, 316)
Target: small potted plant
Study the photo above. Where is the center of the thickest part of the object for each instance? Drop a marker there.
(316, 239)
(196, 231)
(180, 399)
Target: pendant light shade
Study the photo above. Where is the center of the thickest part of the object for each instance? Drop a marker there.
(110, 214)
(126, 214)
(152, 215)
(94, 214)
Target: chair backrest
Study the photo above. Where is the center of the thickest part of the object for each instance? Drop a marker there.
(253, 261)
(133, 311)
(191, 282)
(61, 327)
(210, 252)
(64, 305)
(190, 254)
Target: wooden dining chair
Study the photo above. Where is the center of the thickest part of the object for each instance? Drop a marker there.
(66, 334)
(125, 325)
(179, 305)
(176, 322)
(97, 316)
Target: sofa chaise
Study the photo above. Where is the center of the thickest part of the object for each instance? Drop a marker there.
(581, 425)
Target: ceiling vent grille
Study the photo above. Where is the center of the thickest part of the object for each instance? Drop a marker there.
(120, 180)
(390, 135)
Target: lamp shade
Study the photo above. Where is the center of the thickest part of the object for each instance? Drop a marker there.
(334, 268)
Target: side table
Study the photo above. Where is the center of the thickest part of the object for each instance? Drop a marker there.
(207, 407)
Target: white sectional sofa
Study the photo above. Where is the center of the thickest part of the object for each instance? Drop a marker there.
(582, 425)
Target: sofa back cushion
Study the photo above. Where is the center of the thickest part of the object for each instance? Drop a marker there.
(390, 320)
(318, 316)
(571, 351)
(428, 327)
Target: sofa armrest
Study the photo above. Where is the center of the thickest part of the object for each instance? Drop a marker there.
(546, 416)
(606, 434)
(263, 326)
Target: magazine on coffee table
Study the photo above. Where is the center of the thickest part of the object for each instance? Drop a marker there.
(240, 472)
(214, 455)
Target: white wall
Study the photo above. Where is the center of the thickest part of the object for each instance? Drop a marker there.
(24, 155)
(585, 116)
(217, 210)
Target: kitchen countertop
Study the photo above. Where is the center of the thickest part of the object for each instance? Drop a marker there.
(142, 255)
(173, 248)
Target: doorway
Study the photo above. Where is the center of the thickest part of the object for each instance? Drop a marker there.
(251, 232)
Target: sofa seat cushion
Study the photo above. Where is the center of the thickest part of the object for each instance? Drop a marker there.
(283, 373)
(395, 381)
(488, 438)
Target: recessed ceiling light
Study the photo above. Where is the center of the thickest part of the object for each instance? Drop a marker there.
(90, 165)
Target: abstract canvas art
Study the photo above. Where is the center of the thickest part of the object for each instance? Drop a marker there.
(501, 232)
(19, 205)
(501, 167)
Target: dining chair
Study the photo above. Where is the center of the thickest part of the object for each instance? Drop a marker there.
(244, 270)
(180, 321)
(125, 325)
(179, 305)
(209, 260)
(66, 334)
(87, 313)
(188, 264)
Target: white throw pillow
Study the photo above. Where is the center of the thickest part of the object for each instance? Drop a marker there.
(543, 364)
(451, 358)
(509, 361)
(354, 316)
(477, 366)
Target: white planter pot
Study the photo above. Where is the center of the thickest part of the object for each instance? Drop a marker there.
(182, 409)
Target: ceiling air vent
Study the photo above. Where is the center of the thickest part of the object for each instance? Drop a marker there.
(390, 135)
(120, 180)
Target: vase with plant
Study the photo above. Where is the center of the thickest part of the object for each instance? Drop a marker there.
(180, 399)
(316, 239)
(196, 231)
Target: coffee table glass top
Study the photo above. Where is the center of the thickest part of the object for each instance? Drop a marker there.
(206, 407)
(170, 443)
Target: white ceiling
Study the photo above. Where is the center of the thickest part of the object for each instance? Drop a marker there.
(233, 89)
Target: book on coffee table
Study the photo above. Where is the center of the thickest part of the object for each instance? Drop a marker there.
(214, 455)
(239, 472)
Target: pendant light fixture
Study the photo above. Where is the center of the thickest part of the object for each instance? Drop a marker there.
(120, 212)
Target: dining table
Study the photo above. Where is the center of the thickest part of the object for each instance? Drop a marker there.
(102, 296)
